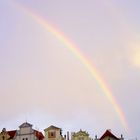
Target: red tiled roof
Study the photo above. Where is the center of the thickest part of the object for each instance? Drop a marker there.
(11, 133)
(108, 134)
(39, 135)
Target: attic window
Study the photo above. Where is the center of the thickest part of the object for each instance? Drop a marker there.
(52, 135)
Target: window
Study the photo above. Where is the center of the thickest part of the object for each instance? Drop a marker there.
(81, 138)
(52, 134)
(26, 138)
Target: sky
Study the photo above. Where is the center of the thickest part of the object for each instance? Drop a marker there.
(44, 83)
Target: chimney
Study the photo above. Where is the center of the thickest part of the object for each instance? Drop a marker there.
(122, 137)
(67, 135)
(95, 137)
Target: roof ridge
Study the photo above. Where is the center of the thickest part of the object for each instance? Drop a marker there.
(108, 133)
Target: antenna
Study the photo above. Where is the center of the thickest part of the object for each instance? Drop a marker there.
(26, 118)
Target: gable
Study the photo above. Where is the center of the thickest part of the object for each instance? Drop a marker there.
(25, 125)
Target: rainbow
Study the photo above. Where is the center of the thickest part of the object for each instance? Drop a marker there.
(82, 58)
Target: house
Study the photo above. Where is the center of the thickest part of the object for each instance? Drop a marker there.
(108, 135)
(26, 132)
(7, 135)
(53, 133)
(80, 135)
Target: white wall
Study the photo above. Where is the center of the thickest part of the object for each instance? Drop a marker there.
(26, 133)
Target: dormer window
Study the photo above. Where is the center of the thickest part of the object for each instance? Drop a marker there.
(51, 134)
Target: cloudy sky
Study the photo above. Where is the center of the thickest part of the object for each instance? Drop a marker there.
(44, 83)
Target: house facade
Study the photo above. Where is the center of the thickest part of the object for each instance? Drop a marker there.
(80, 135)
(7, 135)
(26, 132)
(53, 133)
